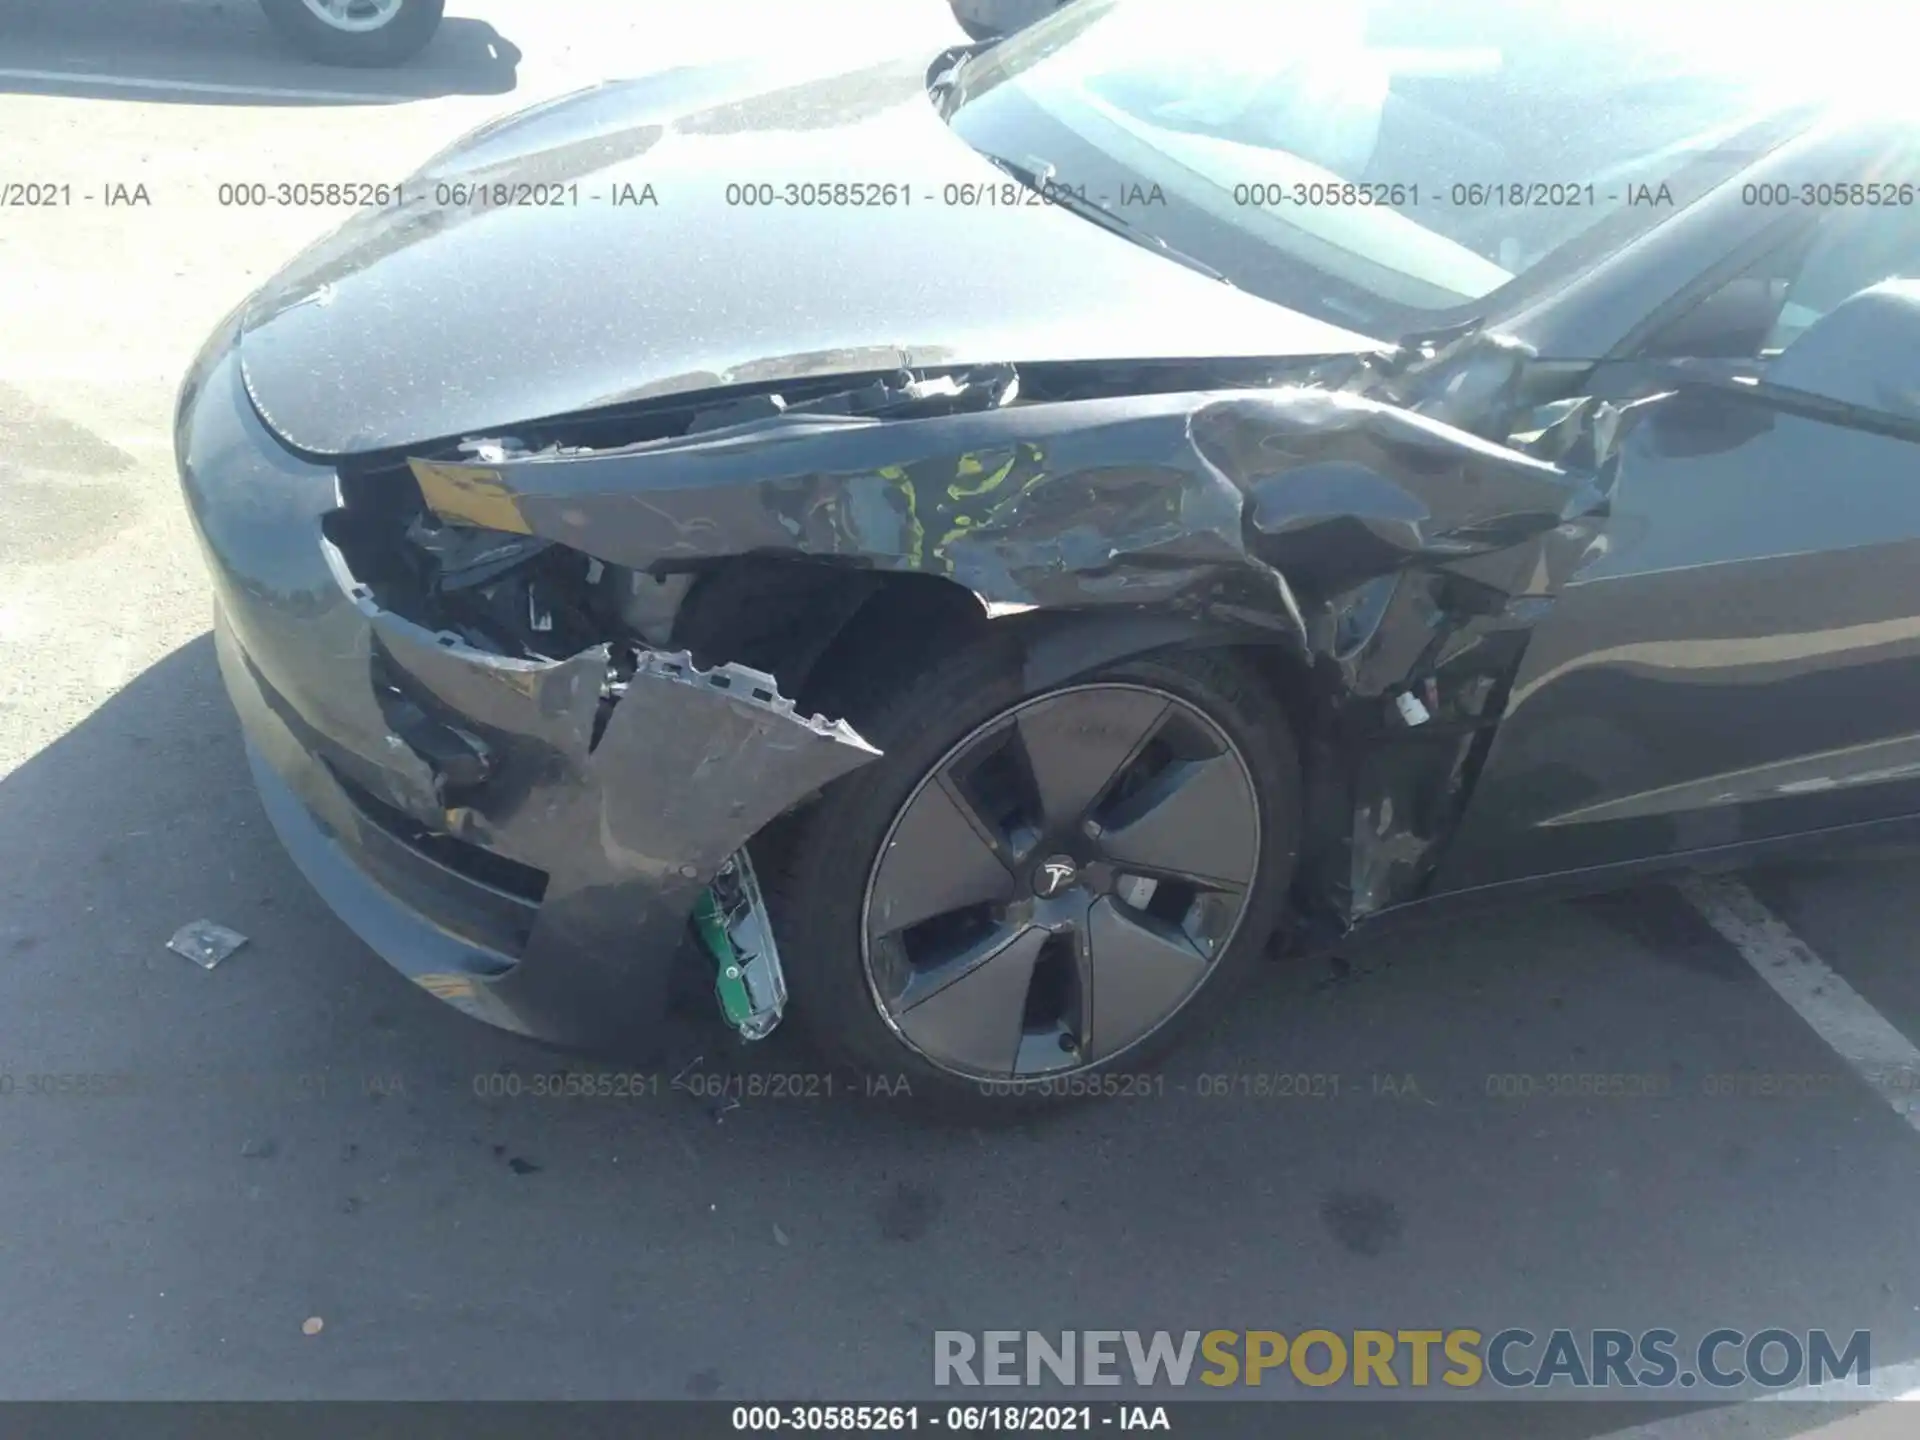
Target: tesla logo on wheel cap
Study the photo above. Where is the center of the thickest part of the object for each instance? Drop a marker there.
(1054, 876)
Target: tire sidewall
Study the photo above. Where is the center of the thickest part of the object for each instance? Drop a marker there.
(824, 900)
(392, 44)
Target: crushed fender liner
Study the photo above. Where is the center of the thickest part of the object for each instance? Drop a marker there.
(1401, 556)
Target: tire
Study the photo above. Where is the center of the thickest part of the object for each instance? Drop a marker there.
(997, 19)
(402, 37)
(830, 873)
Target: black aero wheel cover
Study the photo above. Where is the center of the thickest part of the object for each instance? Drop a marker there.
(1061, 883)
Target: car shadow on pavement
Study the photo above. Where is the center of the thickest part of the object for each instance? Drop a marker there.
(310, 1104)
(223, 52)
(141, 818)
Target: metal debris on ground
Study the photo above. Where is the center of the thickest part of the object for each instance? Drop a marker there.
(205, 943)
(679, 1082)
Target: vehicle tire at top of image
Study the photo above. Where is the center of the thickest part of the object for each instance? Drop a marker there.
(356, 32)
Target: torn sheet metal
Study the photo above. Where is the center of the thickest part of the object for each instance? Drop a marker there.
(1132, 500)
(1403, 556)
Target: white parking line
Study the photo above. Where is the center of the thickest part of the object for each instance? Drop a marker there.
(1877, 1421)
(193, 87)
(1899, 1383)
(1853, 1029)
(1896, 1385)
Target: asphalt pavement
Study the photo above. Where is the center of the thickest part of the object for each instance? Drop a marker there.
(299, 1135)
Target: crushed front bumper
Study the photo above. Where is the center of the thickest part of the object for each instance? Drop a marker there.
(548, 893)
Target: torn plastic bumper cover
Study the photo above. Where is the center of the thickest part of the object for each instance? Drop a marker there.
(629, 813)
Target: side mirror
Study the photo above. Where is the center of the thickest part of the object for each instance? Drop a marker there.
(1730, 324)
(1865, 352)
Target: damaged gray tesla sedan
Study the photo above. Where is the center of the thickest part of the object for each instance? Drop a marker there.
(977, 544)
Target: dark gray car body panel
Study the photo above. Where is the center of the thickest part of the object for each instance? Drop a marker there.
(1737, 664)
(1517, 660)
(1379, 547)
(448, 319)
(624, 854)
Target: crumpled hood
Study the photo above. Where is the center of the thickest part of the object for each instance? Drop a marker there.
(452, 313)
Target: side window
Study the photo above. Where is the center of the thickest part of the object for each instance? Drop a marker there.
(1849, 251)
(1759, 313)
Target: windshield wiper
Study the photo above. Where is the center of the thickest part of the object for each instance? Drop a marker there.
(944, 87)
(1039, 176)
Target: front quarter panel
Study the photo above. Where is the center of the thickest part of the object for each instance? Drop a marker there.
(1400, 560)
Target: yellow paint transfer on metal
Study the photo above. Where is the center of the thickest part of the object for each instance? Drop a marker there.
(472, 494)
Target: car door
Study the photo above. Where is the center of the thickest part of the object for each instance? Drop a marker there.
(1737, 658)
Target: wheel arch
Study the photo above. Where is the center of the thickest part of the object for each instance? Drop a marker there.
(835, 637)
(829, 633)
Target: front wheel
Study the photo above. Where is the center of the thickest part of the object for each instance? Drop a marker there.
(1034, 890)
(356, 32)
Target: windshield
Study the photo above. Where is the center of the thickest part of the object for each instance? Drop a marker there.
(1391, 164)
